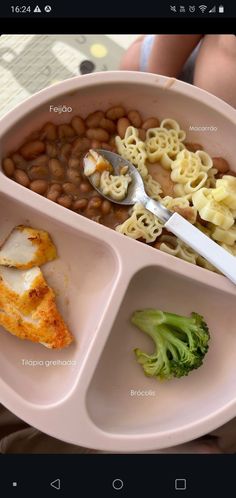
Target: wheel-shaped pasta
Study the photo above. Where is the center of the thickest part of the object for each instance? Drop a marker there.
(230, 249)
(190, 171)
(225, 236)
(211, 210)
(172, 245)
(165, 142)
(152, 187)
(141, 225)
(211, 180)
(180, 205)
(225, 191)
(113, 186)
(133, 149)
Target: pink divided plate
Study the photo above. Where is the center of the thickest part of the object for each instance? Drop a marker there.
(92, 398)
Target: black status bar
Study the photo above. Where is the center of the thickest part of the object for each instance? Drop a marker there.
(122, 9)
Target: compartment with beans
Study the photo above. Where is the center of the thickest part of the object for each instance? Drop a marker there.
(50, 162)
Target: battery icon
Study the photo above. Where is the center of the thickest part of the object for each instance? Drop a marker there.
(221, 9)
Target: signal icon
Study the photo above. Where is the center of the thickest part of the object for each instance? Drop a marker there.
(213, 10)
(202, 8)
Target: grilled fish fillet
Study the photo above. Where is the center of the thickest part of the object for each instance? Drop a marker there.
(28, 309)
(26, 247)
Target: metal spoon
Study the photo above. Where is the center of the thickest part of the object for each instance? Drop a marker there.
(173, 222)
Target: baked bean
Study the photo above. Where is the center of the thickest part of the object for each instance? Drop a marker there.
(73, 162)
(65, 200)
(95, 144)
(80, 204)
(122, 125)
(150, 123)
(106, 207)
(38, 172)
(85, 187)
(106, 146)
(98, 134)
(8, 166)
(65, 131)
(49, 131)
(53, 195)
(93, 119)
(95, 202)
(65, 152)
(40, 161)
(19, 161)
(21, 177)
(70, 188)
(221, 164)
(135, 119)
(78, 125)
(54, 191)
(193, 147)
(142, 134)
(39, 186)
(108, 125)
(51, 149)
(56, 187)
(56, 168)
(73, 176)
(32, 149)
(80, 145)
(121, 213)
(115, 112)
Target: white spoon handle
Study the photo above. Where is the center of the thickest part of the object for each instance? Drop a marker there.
(203, 245)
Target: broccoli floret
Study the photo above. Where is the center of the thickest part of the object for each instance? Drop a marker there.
(181, 342)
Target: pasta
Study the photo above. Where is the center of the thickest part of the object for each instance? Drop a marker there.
(141, 225)
(205, 264)
(115, 187)
(152, 187)
(211, 210)
(225, 236)
(225, 191)
(190, 171)
(164, 143)
(196, 189)
(181, 205)
(230, 249)
(172, 245)
(133, 149)
(211, 180)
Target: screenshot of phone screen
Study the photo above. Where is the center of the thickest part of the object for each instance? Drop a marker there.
(117, 249)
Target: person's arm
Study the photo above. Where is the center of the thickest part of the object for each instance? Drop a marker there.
(170, 52)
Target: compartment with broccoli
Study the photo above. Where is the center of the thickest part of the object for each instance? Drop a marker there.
(181, 342)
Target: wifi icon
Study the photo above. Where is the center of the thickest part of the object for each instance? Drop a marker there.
(202, 8)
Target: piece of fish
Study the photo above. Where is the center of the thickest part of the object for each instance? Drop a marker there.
(26, 247)
(28, 309)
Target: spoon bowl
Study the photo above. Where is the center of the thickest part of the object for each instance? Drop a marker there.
(136, 187)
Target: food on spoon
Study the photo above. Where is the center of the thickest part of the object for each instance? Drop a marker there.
(100, 170)
(180, 342)
(28, 309)
(26, 247)
(95, 162)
